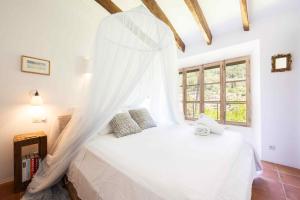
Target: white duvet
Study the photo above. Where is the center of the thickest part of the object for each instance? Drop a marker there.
(164, 163)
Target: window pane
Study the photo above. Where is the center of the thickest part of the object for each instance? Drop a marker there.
(236, 112)
(192, 110)
(236, 72)
(192, 93)
(212, 92)
(212, 110)
(192, 78)
(212, 75)
(236, 91)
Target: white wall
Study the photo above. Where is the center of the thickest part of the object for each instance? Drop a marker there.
(277, 33)
(298, 92)
(61, 31)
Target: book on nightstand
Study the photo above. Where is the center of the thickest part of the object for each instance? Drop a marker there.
(24, 169)
(30, 165)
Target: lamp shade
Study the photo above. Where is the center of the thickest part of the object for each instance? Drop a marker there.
(36, 99)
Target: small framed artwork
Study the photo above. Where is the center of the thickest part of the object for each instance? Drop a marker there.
(281, 62)
(35, 65)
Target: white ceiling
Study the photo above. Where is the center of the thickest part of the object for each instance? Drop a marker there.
(222, 15)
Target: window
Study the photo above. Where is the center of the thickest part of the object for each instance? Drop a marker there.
(221, 90)
(212, 91)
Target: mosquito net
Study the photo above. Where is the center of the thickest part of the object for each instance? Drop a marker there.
(134, 62)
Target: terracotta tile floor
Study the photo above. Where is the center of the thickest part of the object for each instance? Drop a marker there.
(276, 183)
(6, 192)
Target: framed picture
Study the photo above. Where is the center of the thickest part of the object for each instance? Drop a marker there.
(281, 62)
(35, 65)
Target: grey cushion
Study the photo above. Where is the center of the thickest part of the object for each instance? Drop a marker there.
(143, 118)
(122, 124)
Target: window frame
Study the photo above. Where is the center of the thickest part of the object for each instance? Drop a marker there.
(223, 102)
(184, 89)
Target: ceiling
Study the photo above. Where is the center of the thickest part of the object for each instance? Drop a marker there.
(221, 15)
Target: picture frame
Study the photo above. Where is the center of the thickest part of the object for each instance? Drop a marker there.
(281, 62)
(35, 65)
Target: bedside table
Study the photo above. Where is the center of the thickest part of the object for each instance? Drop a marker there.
(32, 160)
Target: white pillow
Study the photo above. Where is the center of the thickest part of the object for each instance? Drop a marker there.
(214, 126)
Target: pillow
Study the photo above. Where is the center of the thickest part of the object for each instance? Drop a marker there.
(142, 117)
(122, 124)
(214, 126)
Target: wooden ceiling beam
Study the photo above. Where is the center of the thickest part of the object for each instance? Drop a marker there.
(109, 6)
(197, 13)
(157, 11)
(244, 12)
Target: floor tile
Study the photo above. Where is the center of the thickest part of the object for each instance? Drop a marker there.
(6, 188)
(267, 188)
(288, 170)
(290, 180)
(258, 194)
(292, 193)
(270, 174)
(7, 192)
(269, 165)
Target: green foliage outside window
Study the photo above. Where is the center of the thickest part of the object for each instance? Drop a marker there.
(236, 113)
(234, 87)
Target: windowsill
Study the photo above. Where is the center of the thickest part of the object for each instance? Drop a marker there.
(226, 126)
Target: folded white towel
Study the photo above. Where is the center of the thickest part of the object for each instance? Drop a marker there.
(214, 126)
(202, 130)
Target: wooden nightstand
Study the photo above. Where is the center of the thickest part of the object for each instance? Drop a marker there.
(23, 140)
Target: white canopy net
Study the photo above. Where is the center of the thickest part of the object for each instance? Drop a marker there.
(134, 60)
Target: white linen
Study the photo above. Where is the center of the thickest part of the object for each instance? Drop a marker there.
(165, 163)
(134, 59)
(214, 126)
(202, 130)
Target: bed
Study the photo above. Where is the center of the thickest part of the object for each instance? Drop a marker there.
(164, 163)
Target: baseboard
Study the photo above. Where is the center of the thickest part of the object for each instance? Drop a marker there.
(6, 180)
(281, 163)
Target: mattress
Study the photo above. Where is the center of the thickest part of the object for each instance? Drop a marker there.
(164, 163)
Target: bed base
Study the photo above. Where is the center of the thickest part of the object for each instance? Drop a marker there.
(71, 189)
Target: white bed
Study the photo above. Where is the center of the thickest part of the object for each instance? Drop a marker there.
(164, 163)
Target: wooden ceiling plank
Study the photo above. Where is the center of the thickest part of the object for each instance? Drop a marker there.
(198, 15)
(157, 11)
(110, 6)
(244, 12)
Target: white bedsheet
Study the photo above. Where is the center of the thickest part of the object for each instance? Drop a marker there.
(165, 163)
